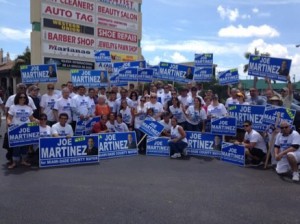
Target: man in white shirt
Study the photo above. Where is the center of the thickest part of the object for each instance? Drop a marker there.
(233, 98)
(63, 105)
(62, 128)
(185, 99)
(47, 104)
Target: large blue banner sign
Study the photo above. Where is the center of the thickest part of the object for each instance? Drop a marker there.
(68, 151)
(223, 126)
(204, 60)
(204, 144)
(38, 73)
(80, 127)
(145, 75)
(156, 74)
(234, 154)
(24, 134)
(203, 74)
(271, 112)
(90, 123)
(117, 66)
(84, 127)
(103, 59)
(157, 146)
(116, 145)
(89, 78)
(229, 77)
(128, 75)
(248, 112)
(151, 127)
(176, 72)
(114, 81)
(273, 68)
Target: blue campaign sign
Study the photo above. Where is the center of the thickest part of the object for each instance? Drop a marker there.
(156, 74)
(38, 73)
(24, 134)
(204, 144)
(114, 81)
(102, 56)
(68, 151)
(128, 75)
(145, 75)
(248, 112)
(271, 112)
(273, 68)
(89, 78)
(234, 154)
(90, 123)
(203, 74)
(114, 145)
(80, 128)
(204, 60)
(157, 146)
(151, 127)
(117, 66)
(229, 77)
(223, 126)
(176, 72)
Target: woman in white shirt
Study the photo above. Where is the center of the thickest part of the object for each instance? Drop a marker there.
(178, 141)
(177, 111)
(196, 116)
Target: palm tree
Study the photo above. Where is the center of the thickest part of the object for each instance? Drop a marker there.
(24, 59)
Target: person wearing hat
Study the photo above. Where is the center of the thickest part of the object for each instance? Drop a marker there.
(275, 100)
(241, 99)
(287, 94)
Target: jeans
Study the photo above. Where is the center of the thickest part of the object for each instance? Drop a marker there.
(177, 147)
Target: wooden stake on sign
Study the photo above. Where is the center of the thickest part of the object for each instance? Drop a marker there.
(141, 140)
(272, 142)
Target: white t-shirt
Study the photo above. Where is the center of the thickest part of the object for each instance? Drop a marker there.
(216, 111)
(167, 126)
(139, 119)
(165, 97)
(20, 113)
(80, 106)
(118, 103)
(112, 105)
(185, 101)
(121, 127)
(254, 136)
(195, 116)
(45, 131)
(126, 115)
(230, 100)
(111, 127)
(62, 131)
(175, 133)
(285, 142)
(47, 102)
(177, 113)
(92, 108)
(10, 101)
(157, 108)
(63, 105)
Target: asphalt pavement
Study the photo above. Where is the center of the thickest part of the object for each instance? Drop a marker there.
(145, 189)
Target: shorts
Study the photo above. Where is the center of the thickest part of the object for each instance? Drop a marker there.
(283, 165)
(258, 153)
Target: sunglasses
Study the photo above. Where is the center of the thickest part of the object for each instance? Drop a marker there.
(22, 97)
(153, 97)
(245, 125)
(43, 119)
(50, 88)
(286, 127)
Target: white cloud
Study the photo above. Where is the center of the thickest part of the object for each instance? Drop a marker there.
(177, 57)
(255, 10)
(7, 2)
(245, 16)
(250, 31)
(13, 34)
(232, 15)
(275, 50)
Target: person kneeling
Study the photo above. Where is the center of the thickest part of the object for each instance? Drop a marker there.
(178, 141)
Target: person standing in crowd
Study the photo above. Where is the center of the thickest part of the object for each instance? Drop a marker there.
(21, 88)
(111, 102)
(20, 113)
(255, 146)
(126, 113)
(100, 127)
(166, 122)
(196, 116)
(33, 92)
(47, 104)
(287, 151)
(91, 101)
(71, 89)
(156, 106)
(102, 107)
(80, 106)
(233, 97)
(184, 98)
(139, 116)
(194, 95)
(120, 126)
(207, 101)
(287, 94)
(216, 109)
(63, 105)
(134, 99)
(165, 95)
(178, 141)
(124, 94)
(170, 102)
(62, 128)
(110, 124)
(115, 89)
(255, 99)
(241, 99)
(177, 111)
(102, 92)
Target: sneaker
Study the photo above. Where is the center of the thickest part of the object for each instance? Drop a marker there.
(176, 155)
(295, 176)
(184, 152)
(257, 163)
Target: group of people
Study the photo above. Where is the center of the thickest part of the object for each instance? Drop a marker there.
(123, 110)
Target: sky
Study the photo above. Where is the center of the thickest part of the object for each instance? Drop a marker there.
(174, 30)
